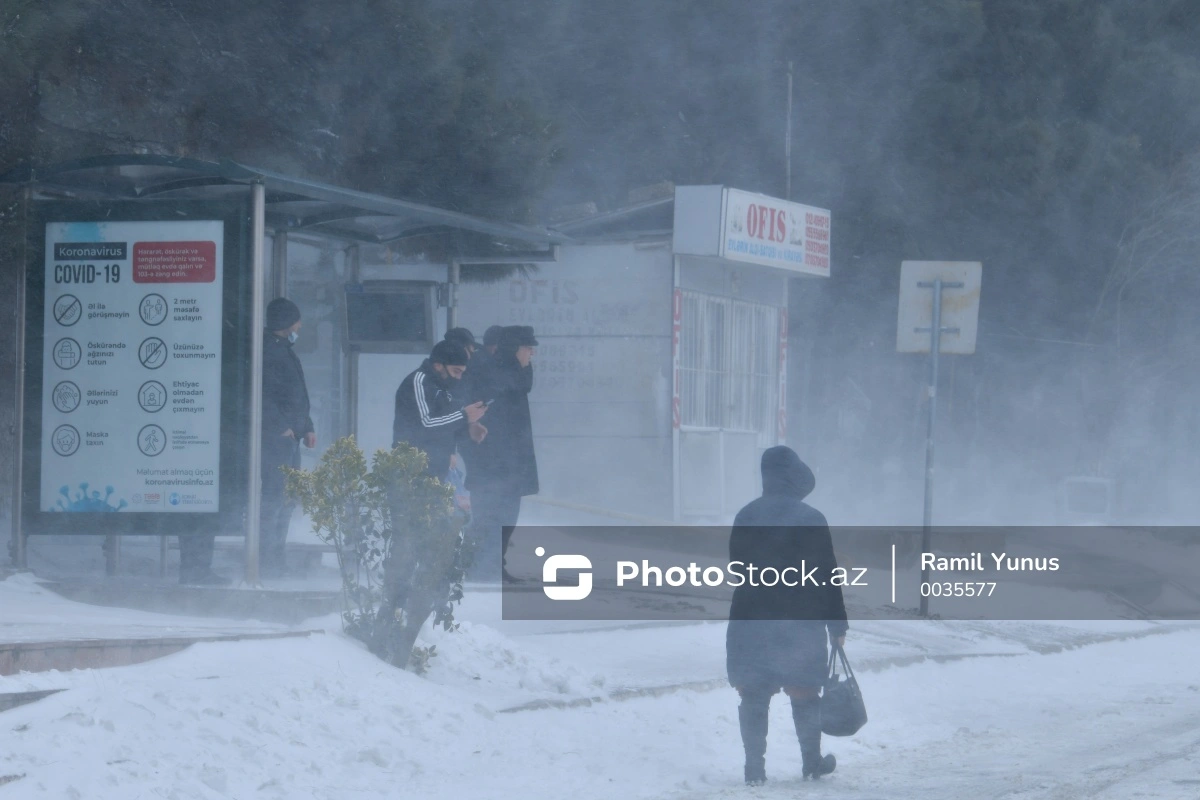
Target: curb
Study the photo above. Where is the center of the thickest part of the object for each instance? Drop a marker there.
(865, 665)
(99, 653)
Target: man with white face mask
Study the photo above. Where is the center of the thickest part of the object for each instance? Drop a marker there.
(285, 424)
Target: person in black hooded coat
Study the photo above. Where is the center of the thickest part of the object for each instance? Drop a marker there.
(777, 635)
(503, 467)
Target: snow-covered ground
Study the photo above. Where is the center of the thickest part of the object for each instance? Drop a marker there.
(990, 710)
(31, 613)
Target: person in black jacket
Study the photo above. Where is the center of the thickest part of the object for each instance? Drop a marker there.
(777, 634)
(491, 339)
(502, 468)
(286, 423)
(431, 413)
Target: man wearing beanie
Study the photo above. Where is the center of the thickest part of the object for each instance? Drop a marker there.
(502, 468)
(285, 424)
(431, 411)
(464, 338)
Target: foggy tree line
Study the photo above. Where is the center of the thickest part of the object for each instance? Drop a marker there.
(1051, 139)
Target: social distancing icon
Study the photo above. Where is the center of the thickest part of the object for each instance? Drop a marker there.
(153, 309)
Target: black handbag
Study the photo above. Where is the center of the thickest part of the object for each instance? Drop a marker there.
(843, 711)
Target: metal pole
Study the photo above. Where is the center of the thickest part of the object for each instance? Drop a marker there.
(279, 264)
(20, 557)
(935, 345)
(112, 554)
(452, 298)
(254, 482)
(676, 345)
(787, 141)
(354, 267)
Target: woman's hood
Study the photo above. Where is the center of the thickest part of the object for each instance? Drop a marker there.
(784, 473)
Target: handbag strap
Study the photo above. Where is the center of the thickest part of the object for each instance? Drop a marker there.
(845, 662)
(836, 654)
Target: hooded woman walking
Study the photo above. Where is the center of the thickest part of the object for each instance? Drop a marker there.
(777, 634)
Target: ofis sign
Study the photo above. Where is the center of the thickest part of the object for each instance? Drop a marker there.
(776, 233)
(741, 226)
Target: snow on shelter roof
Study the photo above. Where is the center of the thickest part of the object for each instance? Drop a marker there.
(292, 204)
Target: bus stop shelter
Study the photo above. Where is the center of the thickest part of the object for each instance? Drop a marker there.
(263, 228)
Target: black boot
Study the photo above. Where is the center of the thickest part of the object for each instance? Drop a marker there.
(806, 714)
(752, 715)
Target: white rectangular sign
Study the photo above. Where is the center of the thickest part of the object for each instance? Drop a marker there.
(960, 305)
(131, 386)
(764, 230)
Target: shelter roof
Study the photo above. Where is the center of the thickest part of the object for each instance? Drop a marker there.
(292, 204)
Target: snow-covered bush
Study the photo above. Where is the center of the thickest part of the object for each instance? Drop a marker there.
(398, 541)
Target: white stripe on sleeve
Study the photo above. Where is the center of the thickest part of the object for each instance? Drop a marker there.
(423, 407)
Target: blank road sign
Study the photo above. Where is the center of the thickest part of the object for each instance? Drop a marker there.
(960, 305)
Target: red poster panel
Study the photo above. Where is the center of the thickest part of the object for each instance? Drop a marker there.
(174, 262)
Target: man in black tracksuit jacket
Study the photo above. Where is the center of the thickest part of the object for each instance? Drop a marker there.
(431, 413)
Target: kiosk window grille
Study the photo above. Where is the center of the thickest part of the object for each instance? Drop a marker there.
(729, 365)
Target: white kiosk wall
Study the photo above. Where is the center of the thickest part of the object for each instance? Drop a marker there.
(602, 382)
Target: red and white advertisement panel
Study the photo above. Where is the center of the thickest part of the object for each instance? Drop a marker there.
(765, 230)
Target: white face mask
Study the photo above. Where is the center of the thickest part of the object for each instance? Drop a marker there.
(293, 336)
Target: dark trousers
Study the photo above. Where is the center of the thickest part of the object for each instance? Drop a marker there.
(492, 510)
(752, 717)
(275, 513)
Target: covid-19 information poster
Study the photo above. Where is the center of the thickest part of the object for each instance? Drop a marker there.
(131, 366)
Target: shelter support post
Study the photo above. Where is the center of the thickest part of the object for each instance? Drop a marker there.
(20, 557)
(279, 264)
(354, 268)
(676, 409)
(455, 271)
(254, 498)
(112, 554)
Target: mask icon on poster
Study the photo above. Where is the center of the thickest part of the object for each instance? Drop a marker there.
(65, 440)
